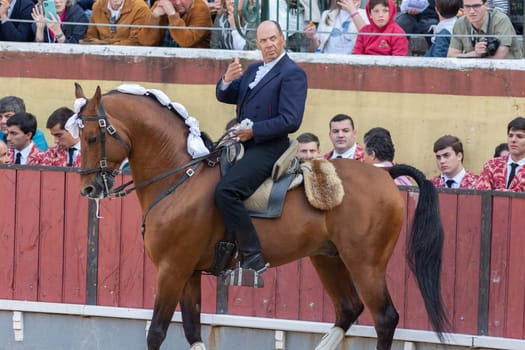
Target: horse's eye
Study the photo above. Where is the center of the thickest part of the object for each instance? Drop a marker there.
(92, 140)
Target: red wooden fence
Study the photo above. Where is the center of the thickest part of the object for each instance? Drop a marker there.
(44, 253)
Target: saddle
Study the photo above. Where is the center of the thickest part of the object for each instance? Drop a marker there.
(267, 201)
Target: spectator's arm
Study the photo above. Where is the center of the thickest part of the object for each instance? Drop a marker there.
(152, 36)
(187, 37)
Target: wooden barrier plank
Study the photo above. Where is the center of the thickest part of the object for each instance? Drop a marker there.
(516, 267)
(467, 243)
(287, 292)
(132, 259)
(7, 232)
(499, 269)
(51, 236)
(311, 293)
(415, 314)
(448, 207)
(75, 242)
(397, 269)
(27, 234)
(265, 298)
(209, 294)
(109, 255)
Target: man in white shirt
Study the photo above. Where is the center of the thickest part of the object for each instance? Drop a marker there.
(344, 139)
(21, 128)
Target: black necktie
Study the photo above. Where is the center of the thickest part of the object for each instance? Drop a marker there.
(18, 158)
(71, 154)
(339, 157)
(449, 183)
(513, 167)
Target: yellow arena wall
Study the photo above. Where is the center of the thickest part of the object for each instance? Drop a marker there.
(417, 99)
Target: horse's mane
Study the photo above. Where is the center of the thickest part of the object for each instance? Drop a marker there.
(208, 142)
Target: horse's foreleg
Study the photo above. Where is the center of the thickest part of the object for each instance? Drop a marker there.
(169, 287)
(337, 282)
(191, 311)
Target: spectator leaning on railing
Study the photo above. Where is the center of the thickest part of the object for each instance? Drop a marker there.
(189, 14)
(115, 14)
(483, 33)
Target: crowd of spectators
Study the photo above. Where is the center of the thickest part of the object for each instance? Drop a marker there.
(453, 28)
(504, 172)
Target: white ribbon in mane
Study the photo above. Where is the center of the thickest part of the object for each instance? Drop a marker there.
(195, 144)
(74, 123)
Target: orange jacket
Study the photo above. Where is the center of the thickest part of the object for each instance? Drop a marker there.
(197, 16)
(134, 12)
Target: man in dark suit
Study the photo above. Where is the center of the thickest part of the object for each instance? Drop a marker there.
(272, 95)
(16, 31)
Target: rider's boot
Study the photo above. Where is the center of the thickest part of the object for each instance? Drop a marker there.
(250, 248)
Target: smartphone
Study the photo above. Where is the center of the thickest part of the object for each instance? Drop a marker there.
(49, 8)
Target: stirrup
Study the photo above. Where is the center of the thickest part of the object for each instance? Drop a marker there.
(243, 278)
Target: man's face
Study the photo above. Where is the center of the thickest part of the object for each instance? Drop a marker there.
(308, 150)
(516, 141)
(476, 11)
(62, 137)
(3, 121)
(269, 41)
(16, 139)
(3, 153)
(449, 162)
(182, 6)
(343, 136)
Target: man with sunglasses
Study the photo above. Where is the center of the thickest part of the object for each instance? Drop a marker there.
(483, 33)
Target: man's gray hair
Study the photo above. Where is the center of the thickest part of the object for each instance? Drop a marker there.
(12, 104)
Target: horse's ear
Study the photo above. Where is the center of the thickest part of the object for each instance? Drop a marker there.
(79, 93)
(98, 94)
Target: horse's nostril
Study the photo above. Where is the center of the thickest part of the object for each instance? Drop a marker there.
(86, 191)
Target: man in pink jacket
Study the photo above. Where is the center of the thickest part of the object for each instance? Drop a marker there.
(507, 173)
(381, 14)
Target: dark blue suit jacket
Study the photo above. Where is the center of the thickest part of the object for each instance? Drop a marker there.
(18, 31)
(276, 103)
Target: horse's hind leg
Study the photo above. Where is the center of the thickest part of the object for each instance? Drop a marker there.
(191, 311)
(337, 282)
(372, 286)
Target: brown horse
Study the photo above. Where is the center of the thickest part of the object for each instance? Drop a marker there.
(349, 245)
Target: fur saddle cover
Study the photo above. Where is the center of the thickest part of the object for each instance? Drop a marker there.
(323, 187)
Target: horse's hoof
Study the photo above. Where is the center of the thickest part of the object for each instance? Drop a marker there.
(243, 278)
(198, 346)
(332, 339)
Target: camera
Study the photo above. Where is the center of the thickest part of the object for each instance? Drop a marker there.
(492, 45)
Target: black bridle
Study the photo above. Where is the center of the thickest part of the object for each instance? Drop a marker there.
(107, 174)
(106, 128)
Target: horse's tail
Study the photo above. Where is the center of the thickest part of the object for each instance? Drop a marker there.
(425, 246)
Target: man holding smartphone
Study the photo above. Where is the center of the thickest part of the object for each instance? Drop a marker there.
(15, 31)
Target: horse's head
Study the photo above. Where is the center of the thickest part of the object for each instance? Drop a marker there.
(103, 148)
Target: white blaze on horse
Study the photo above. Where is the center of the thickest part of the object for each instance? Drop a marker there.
(349, 245)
